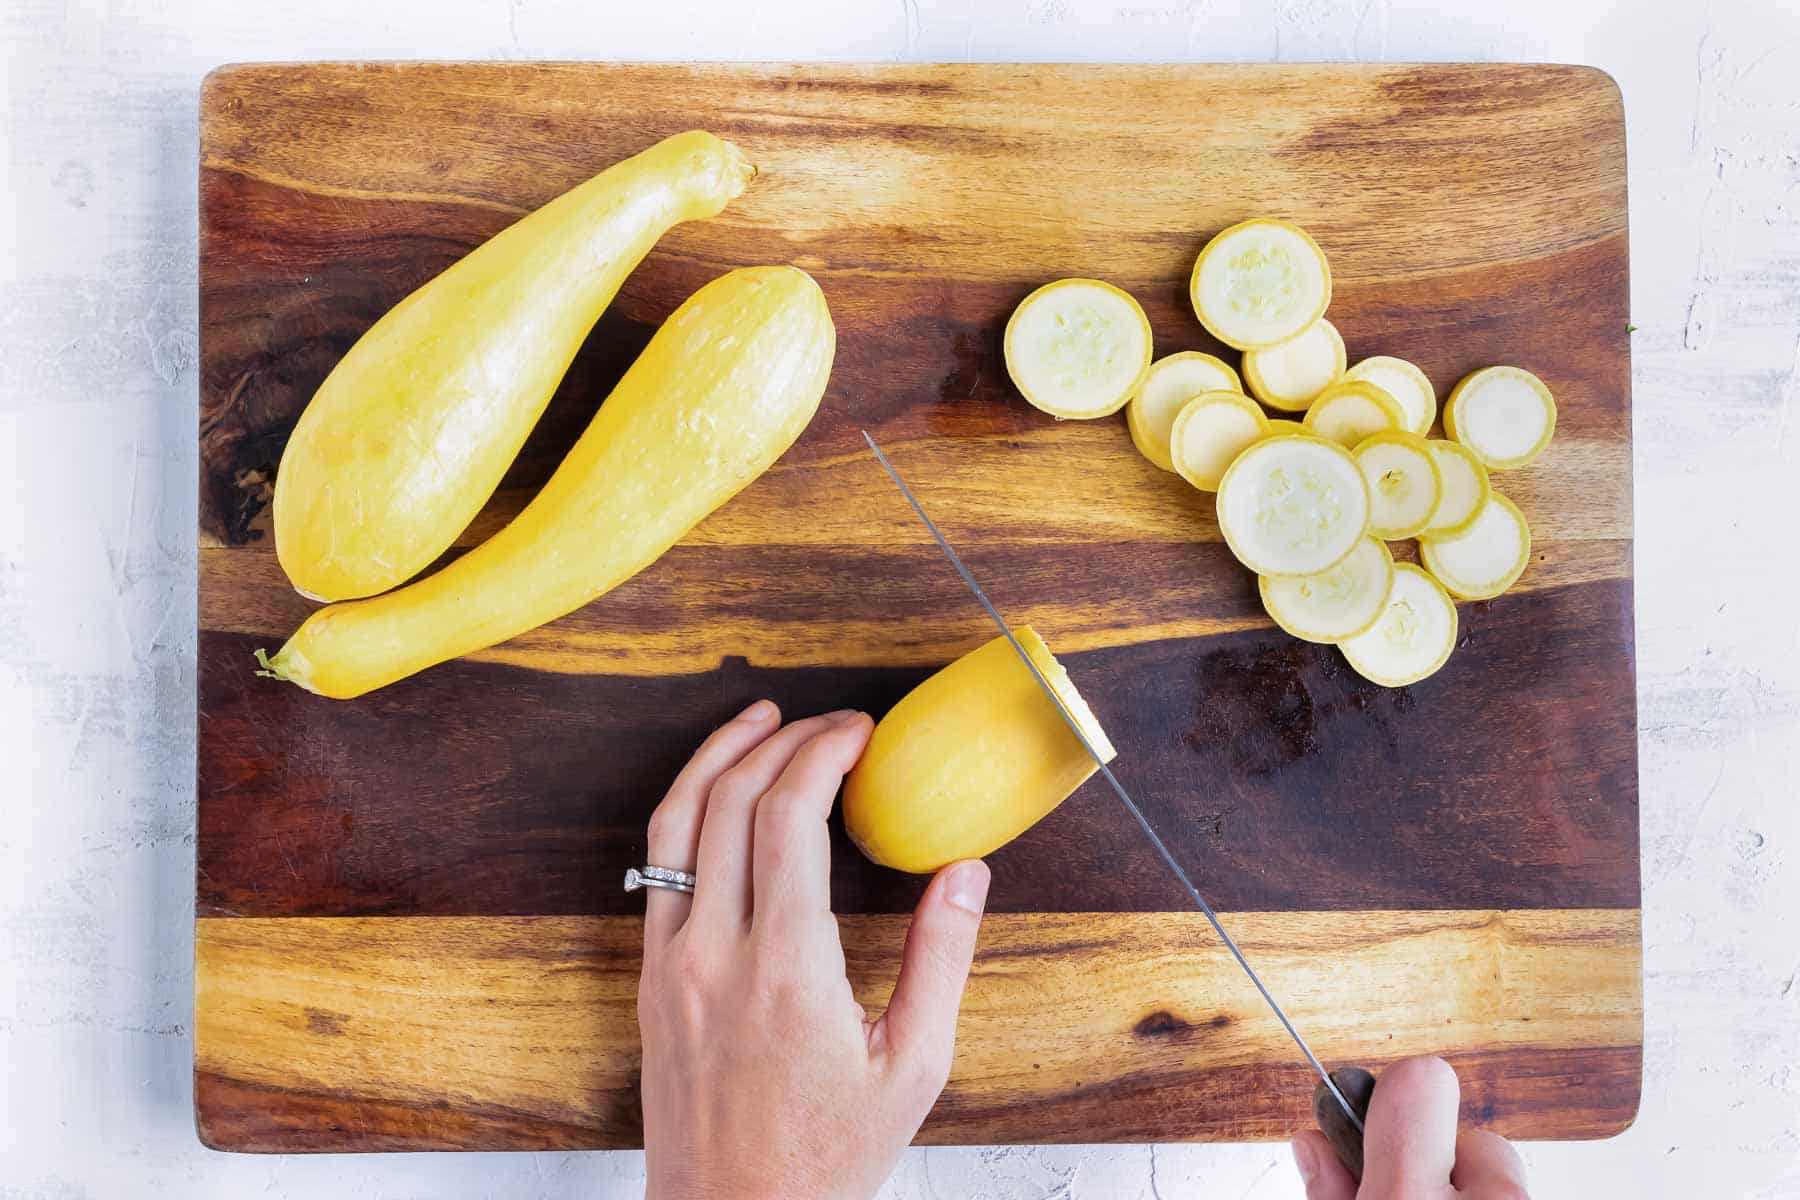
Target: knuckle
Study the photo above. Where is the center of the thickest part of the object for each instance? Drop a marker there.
(777, 986)
(780, 812)
(824, 755)
(941, 959)
(664, 825)
(734, 789)
(768, 982)
(678, 994)
(772, 856)
(816, 749)
(713, 743)
(690, 967)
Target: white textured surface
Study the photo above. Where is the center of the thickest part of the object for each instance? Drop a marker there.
(97, 482)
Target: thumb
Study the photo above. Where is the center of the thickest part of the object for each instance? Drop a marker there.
(918, 1031)
(1320, 1171)
(1410, 1144)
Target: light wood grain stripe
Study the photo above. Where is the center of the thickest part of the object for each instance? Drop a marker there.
(918, 148)
(849, 606)
(534, 1018)
(1085, 482)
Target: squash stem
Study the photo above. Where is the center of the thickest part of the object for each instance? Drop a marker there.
(271, 667)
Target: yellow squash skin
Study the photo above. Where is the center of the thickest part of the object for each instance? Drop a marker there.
(726, 385)
(968, 760)
(411, 432)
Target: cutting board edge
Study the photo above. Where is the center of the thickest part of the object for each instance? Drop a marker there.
(224, 74)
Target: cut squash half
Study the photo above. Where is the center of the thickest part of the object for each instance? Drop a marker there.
(1504, 414)
(1413, 636)
(970, 759)
(1486, 558)
(1350, 410)
(1168, 385)
(1260, 283)
(1465, 483)
(1410, 387)
(1213, 429)
(1404, 483)
(1291, 374)
(1293, 506)
(1078, 348)
(1337, 603)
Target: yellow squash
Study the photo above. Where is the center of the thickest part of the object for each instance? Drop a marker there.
(411, 432)
(968, 760)
(725, 386)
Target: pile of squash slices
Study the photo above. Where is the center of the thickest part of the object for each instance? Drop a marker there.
(1308, 500)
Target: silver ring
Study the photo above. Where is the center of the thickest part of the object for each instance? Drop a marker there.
(659, 877)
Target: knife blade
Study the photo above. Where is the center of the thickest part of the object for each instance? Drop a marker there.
(1131, 806)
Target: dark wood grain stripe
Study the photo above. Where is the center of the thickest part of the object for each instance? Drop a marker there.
(1280, 778)
(253, 1118)
(1560, 1093)
(1149, 1033)
(1525, 1093)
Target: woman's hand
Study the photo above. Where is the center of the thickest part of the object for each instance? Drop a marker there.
(1411, 1148)
(762, 1075)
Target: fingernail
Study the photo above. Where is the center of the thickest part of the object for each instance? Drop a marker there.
(759, 712)
(1306, 1158)
(967, 887)
(841, 715)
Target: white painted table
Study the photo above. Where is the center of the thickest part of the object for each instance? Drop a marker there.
(97, 488)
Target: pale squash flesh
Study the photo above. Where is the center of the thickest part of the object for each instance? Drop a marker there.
(968, 760)
(413, 429)
(723, 389)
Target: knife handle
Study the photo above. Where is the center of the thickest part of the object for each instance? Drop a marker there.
(1358, 1087)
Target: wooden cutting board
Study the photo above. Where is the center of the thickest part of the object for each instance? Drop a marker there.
(411, 932)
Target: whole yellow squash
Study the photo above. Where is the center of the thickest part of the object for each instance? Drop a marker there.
(970, 759)
(726, 385)
(411, 432)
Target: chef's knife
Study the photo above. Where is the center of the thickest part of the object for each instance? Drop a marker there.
(1342, 1123)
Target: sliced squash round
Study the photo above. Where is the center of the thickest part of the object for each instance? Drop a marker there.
(1169, 384)
(1413, 636)
(1504, 414)
(1293, 506)
(1404, 483)
(1078, 348)
(1213, 429)
(1260, 283)
(1282, 427)
(1337, 603)
(1410, 387)
(1350, 410)
(1486, 558)
(1465, 484)
(1290, 374)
